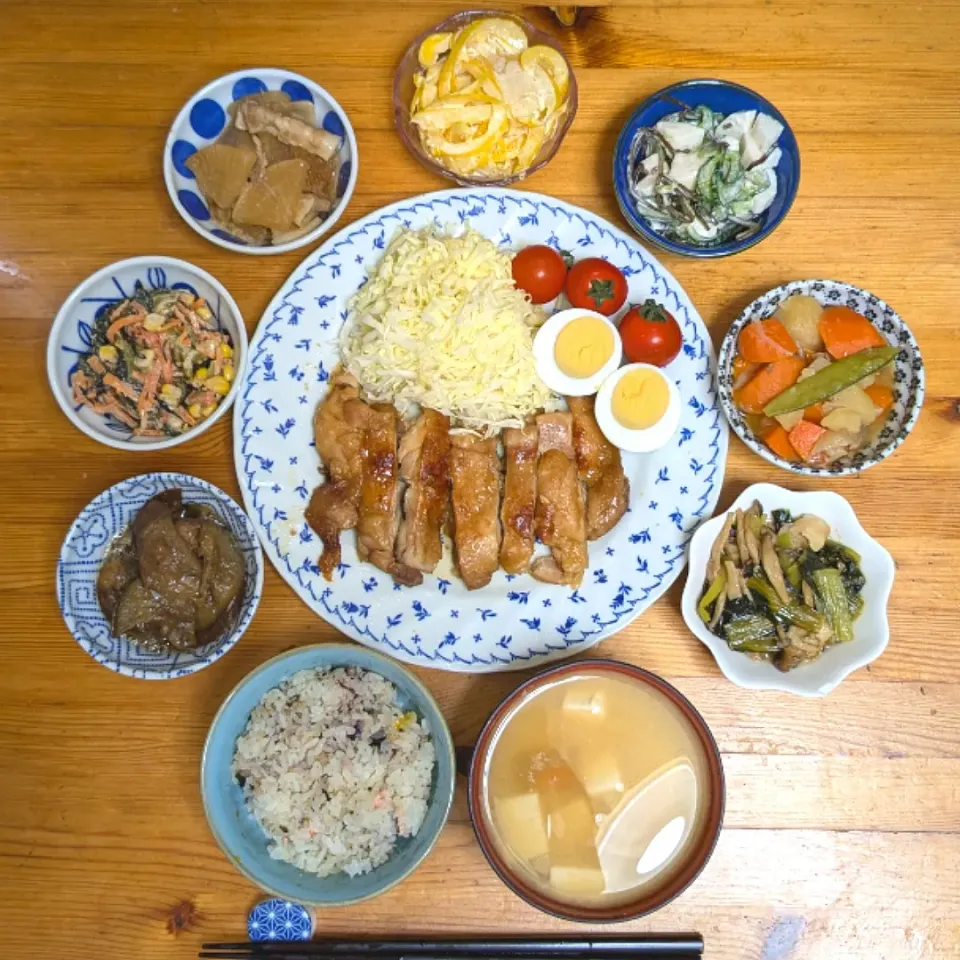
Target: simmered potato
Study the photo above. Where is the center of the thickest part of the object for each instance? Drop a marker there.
(800, 314)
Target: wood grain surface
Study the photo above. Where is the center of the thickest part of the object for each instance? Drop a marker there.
(842, 833)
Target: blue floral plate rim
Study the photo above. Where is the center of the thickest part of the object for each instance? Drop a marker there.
(515, 622)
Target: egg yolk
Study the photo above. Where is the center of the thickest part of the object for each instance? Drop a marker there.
(640, 399)
(583, 346)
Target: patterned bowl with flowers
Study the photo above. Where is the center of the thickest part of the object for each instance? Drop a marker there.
(83, 552)
(908, 374)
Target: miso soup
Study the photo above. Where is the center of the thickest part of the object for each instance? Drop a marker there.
(596, 786)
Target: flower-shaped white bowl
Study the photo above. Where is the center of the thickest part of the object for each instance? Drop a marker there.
(871, 631)
(203, 119)
(70, 334)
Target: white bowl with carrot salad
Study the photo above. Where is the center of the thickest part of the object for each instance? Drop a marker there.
(147, 353)
(820, 377)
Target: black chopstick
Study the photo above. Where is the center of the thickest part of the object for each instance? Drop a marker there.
(598, 948)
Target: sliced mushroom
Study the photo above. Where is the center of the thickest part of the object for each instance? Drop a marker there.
(771, 566)
(814, 530)
(718, 608)
(716, 551)
(802, 647)
(732, 552)
(734, 583)
(739, 527)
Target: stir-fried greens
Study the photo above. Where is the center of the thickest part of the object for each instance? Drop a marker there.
(158, 363)
(779, 588)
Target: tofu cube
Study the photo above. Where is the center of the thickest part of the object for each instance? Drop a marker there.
(576, 881)
(519, 821)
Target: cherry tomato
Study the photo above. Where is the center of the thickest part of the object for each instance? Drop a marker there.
(541, 271)
(650, 334)
(594, 284)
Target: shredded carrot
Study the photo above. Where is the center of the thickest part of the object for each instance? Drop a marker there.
(118, 325)
(845, 331)
(764, 341)
(111, 380)
(804, 436)
(772, 380)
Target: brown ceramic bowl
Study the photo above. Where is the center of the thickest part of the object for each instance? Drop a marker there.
(647, 901)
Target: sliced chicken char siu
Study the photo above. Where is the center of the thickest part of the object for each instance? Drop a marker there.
(560, 517)
(338, 430)
(424, 466)
(598, 460)
(379, 507)
(519, 497)
(475, 475)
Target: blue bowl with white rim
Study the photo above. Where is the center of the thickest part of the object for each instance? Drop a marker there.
(242, 839)
(726, 98)
(71, 334)
(83, 551)
(204, 117)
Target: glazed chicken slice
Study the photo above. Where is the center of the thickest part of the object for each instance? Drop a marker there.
(338, 429)
(424, 466)
(519, 497)
(560, 517)
(379, 508)
(598, 461)
(475, 475)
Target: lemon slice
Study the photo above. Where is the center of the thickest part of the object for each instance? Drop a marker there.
(474, 145)
(531, 147)
(442, 115)
(482, 38)
(552, 63)
(434, 47)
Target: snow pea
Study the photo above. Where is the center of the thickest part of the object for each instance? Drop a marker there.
(830, 380)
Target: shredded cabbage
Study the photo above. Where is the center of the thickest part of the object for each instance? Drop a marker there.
(441, 324)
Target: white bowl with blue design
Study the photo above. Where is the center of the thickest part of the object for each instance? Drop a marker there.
(82, 553)
(516, 621)
(204, 117)
(908, 373)
(72, 330)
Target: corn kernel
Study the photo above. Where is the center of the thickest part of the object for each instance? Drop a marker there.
(404, 721)
(226, 351)
(229, 372)
(195, 411)
(201, 374)
(218, 385)
(204, 312)
(208, 409)
(108, 354)
(173, 395)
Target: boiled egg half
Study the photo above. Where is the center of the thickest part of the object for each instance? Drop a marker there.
(575, 351)
(638, 408)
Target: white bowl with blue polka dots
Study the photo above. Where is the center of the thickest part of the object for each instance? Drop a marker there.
(204, 117)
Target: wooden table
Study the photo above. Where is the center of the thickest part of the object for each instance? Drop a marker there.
(842, 835)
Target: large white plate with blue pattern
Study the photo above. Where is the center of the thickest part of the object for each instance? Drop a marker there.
(515, 622)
